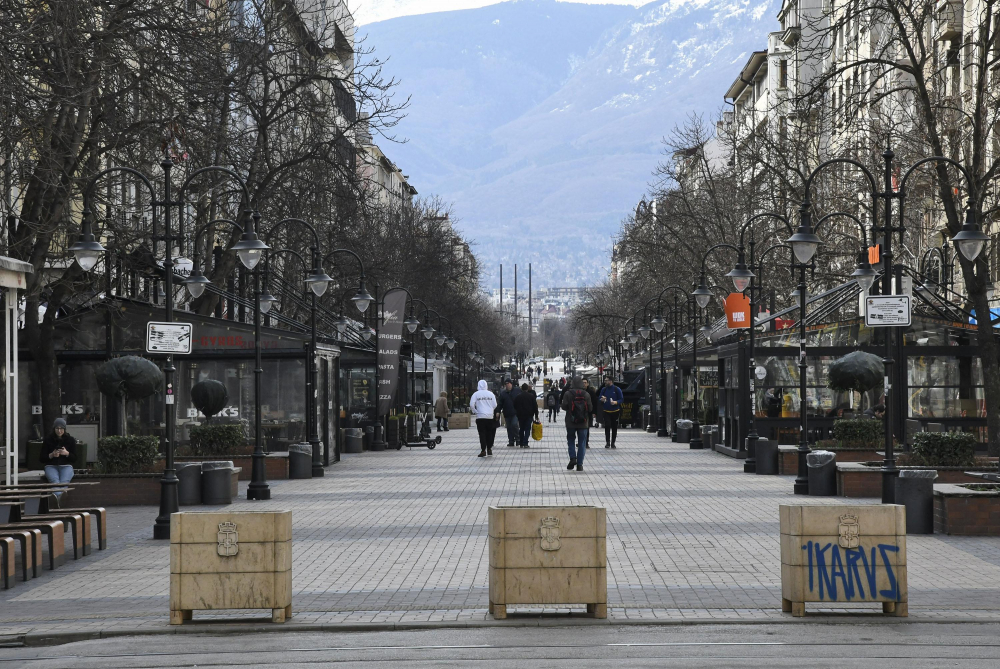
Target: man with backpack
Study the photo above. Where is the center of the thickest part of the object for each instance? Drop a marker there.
(552, 400)
(610, 398)
(576, 402)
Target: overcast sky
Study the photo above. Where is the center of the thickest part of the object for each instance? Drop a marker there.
(369, 11)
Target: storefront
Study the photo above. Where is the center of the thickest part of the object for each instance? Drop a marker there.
(222, 350)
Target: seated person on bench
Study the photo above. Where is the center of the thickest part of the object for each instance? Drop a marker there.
(59, 454)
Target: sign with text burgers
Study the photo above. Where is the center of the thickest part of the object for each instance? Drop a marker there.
(390, 338)
(737, 311)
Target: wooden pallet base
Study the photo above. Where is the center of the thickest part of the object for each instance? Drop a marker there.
(798, 609)
(499, 611)
(177, 617)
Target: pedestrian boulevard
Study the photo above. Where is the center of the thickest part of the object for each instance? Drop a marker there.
(402, 537)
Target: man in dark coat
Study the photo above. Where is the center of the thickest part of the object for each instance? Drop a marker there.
(505, 402)
(594, 417)
(526, 408)
(578, 407)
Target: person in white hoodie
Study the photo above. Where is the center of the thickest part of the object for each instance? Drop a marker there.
(483, 404)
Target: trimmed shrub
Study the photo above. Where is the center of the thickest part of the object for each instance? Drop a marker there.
(860, 433)
(943, 449)
(127, 455)
(213, 439)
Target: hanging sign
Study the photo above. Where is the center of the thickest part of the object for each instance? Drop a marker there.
(168, 337)
(737, 311)
(390, 338)
(887, 311)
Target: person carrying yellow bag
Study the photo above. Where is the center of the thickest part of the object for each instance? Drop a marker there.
(536, 430)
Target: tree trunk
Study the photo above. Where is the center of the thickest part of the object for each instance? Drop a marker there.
(989, 349)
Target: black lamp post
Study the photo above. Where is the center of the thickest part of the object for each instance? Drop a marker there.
(317, 281)
(969, 241)
(743, 279)
(659, 323)
(702, 296)
(87, 250)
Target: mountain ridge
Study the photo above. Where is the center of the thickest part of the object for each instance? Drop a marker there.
(543, 121)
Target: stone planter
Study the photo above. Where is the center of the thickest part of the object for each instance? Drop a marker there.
(230, 561)
(460, 421)
(843, 554)
(548, 555)
(963, 511)
(857, 479)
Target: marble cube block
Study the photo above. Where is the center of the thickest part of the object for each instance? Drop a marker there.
(221, 560)
(548, 555)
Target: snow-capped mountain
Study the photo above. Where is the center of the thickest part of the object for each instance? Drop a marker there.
(542, 121)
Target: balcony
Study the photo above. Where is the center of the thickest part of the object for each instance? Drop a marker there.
(948, 15)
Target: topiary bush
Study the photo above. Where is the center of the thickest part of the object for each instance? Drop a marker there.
(126, 455)
(860, 433)
(943, 449)
(214, 439)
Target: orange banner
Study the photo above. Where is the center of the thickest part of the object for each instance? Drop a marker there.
(737, 311)
(875, 254)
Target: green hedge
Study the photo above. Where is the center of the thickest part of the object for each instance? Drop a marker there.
(943, 449)
(127, 455)
(219, 439)
(860, 433)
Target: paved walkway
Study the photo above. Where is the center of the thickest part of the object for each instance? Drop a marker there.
(401, 537)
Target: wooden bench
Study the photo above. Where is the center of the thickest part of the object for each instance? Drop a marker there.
(99, 512)
(31, 549)
(36, 504)
(52, 528)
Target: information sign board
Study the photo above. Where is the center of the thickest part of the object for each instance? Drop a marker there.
(168, 337)
(883, 311)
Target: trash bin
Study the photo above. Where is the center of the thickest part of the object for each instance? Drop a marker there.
(915, 491)
(684, 431)
(217, 482)
(353, 440)
(300, 461)
(767, 457)
(822, 468)
(188, 483)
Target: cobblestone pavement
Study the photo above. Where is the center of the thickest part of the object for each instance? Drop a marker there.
(401, 537)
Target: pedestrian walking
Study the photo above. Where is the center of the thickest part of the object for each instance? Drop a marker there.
(611, 399)
(484, 407)
(593, 418)
(526, 409)
(506, 403)
(552, 400)
(576, 402)
(58, 454)
(442, 411)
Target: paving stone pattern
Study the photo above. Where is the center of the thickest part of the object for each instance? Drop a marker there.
(402, 536)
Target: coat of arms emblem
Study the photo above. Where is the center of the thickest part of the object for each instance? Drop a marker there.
(228, 539)
(549, 532)
(850, 531)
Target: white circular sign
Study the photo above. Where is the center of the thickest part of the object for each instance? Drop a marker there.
(760, 372)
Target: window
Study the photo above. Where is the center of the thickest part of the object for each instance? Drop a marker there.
(783, 73)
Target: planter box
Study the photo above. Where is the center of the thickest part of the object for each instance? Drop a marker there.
(460, 421)
(122, 490)
(843, 554)
(548, 555)
(275, 464)
(855, 479)
(230, 561)
(961, 511)
(788, 458)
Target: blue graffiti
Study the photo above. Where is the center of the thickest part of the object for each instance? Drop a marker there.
(832, 573)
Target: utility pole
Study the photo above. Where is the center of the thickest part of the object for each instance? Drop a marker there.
(516, 319)
(529, 309)
(500, 308)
